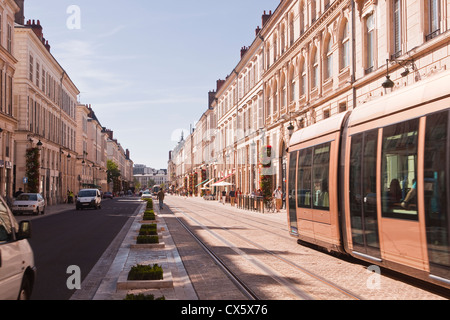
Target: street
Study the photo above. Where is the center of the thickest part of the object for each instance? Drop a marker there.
(74, 238)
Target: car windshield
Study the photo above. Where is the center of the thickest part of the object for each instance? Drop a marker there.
(87, 193)
(27, 197)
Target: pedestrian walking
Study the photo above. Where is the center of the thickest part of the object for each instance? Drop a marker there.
(278, 195)
(232, 197)
(160, 197)
(224, 197)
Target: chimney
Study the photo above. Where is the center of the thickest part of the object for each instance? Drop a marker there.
(110, 134)
(127, 154)
(211, 97)
(20, 16)
(47, 46)
(258, 30)
(37, 28)
(266, 17)
(220, 84)
(243, 51)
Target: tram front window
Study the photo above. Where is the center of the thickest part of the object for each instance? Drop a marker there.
(399, 170)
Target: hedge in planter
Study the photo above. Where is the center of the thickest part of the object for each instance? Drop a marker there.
(148, 229)
(149, 203)
(146, 272)
(147, 239)
(149, 217)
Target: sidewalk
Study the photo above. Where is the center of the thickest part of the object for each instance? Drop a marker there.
(127, 257)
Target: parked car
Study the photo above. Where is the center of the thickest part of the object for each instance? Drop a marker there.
(108, 195)
(89, 198)
(146, 195)
(17, 268)
(29, 203)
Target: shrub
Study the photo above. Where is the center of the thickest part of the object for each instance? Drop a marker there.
(149, 203)
(148, 229)
(149, 215)
(147, 239)
(146, 272)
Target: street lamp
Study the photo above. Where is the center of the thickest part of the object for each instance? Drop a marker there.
(387, 84)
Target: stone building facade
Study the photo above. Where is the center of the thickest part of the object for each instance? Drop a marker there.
(311, 60)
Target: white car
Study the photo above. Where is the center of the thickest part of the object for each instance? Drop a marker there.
(17, 268)
(89, 198)
(29, 203)
(146, 195)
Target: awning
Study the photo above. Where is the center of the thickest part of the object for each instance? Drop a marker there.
(225, 178)
(209, 182)
(202, 183)
(222, 184)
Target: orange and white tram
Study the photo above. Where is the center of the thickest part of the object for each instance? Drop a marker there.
(375, 182)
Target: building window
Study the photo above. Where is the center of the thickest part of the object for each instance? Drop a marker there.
(315, 70)
(292, 87)
(397, 18)
(345, 47)
(329, 59)
(370, 42)
(303, 79)
(434, 16)
(31, 68)
(10, 35)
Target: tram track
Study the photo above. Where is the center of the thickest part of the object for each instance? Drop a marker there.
(282, 262)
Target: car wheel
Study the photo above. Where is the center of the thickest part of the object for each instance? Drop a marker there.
(25, 289)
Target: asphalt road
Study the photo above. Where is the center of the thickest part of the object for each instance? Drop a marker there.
(74, 238)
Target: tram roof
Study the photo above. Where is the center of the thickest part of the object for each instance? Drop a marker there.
(423, 91)
(402, 99)
(321, 128)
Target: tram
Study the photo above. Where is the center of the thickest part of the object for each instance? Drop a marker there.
(373, 183)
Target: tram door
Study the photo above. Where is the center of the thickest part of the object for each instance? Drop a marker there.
(363, 196)
(437, 193)
(293, 226)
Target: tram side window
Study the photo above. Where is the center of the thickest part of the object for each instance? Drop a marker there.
(313, 178)
(399, 170)
(321, 172)
(304, 193)
(435, 190)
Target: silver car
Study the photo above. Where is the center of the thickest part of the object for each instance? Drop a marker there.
(32, 203)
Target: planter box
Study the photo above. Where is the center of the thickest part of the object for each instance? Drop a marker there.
(125, 284)
(149, 221)
(159, 245)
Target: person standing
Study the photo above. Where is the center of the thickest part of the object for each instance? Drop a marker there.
(160, 197)
(278, 195)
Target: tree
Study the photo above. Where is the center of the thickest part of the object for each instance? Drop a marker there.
(113, 175)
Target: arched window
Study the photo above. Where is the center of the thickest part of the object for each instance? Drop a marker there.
(291, 29)
(275, 98)
(303, 78)
(283, 91)
(315, 69)
(329, 58)
(345, 45)
(292, 84)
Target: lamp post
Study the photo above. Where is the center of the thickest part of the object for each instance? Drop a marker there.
(387, 84)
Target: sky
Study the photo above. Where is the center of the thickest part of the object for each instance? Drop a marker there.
(146, 66)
